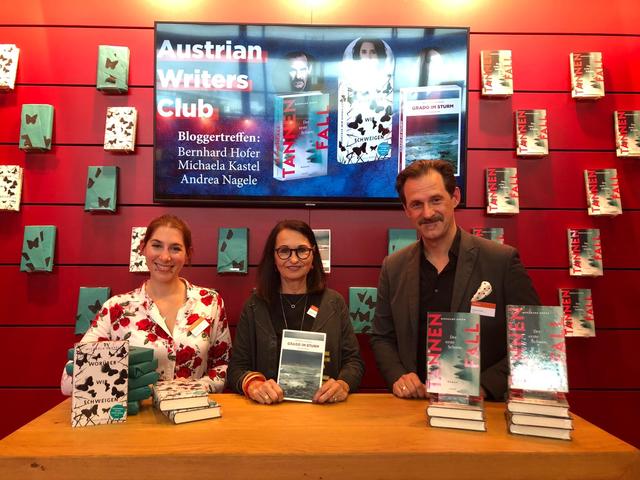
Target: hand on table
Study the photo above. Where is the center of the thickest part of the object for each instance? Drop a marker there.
(266, 392)
(332, 391)
(409, 386)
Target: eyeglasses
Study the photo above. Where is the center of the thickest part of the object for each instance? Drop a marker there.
(302, 252)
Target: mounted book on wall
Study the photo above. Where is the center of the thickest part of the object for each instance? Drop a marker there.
(113, 69)
(90, 300)
(9, 54)
(10, 187)
(36, 127)
(120, 129)
(102, 189)
(37, 248)
(233, 250)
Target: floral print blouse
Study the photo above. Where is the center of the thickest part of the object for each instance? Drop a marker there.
(199, 347)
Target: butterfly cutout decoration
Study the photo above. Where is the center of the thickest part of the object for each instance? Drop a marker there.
(104, 202)
(26, 141)
(111, 64)
(108, 370)
(122, 378)
(35, 243)
(31, 119)
(85, 386)
(356, 122)
(90, 183)
(117, 393)
(110, 79)
(238, 265)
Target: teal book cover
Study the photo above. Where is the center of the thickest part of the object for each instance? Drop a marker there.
(400, 238)
(113, 69)
(37, 248)
(577, 312)
(453, 353)
(362, 308)
(90, 300)
(36, 127)
(102, 189)
(536, 348)
(233, 250)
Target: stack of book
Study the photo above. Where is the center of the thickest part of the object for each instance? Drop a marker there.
(184, 401)
(538, 381)
(540, 414)
(142, 373)
(453, 371)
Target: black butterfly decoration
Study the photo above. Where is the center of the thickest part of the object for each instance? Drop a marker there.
(110, 63)
(85, 386)
(122, 378)
(30, 119)
(95, 308)
(117, 393)
(387, 114)
(104, 202)
(356, 122)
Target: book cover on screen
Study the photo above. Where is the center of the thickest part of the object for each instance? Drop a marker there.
(532, 134)
(493, 233)
(179, 393)
(496, 72)
(100, 383)
(301, 135)
(536, 348)
(362, 308)
(184, 415)
(430, 125)
(301, 364)
(627, 129)
(323, 237)
(587, 75)
(453, 353)
(502, 191)
(233, 250)
(603, 192)
(585, 252)
(577, 312)
(10, 187)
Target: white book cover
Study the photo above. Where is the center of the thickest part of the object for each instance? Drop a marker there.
(100, 383)
(496, 70)
(120, 129)
(10, 187)
(301, 364)
(9, 54)
(137, 262)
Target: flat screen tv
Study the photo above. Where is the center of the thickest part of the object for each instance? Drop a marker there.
(304, 115)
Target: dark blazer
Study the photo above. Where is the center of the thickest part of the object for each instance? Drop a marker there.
(255, 344)
(395, 324)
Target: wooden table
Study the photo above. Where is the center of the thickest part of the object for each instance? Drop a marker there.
(370, 436)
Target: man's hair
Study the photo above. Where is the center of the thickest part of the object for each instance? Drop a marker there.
(422, 167)
(299, 53)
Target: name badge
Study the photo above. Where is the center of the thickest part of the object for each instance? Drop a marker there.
(198, 327)
(484, 308)
(313, 311)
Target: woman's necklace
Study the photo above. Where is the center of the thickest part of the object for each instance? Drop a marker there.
(293, 306)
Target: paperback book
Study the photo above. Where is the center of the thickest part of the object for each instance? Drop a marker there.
(502, 191)
(585, 252)
(102, 189)
(493, 233)
(120, 129)
(301, 135)
(184, 415)
(603, 192)
(400, 238)
(362, 308)
(90, 300)
(496, 72)
(301, 364)
(430, 124)
(10, 187)
(532, 134)
(627, 127)
(233, 250)
(536, 348)
(587, 75)
(323, 237)
(100, 383)
(177, 394)
(137, 262)
(453, 353)
(9, 54)
(37, 248)
(36, 127)
(577, 312)
(113, 69)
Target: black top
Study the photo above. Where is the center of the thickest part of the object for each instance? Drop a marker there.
(436, 291)
(295, 308)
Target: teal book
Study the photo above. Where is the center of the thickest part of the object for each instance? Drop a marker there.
(536, 348)
(140, 393)
(113, 69)
(146, 379)
(233, 250)
(494, 233)
(585, 252)
(577, 312)
(400, 238)
(133, 408)
(138, 369)
(90, 300)
(453, 353)
(37, 248)
(102, 189)
(362, 308)
(36, 127)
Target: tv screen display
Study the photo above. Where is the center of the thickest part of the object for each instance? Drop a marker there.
(307, 115)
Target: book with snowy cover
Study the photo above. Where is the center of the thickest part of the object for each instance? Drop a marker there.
(496, 72)
(453, 353)
(100, 383)
(323, 237)
(10, 187)
(603, 192)
(532, 134)
(491, 233)
(502, 191)
(179, 393)
(587, 75)
(301, 135)
(577, 312)
(301, 364)
(362, 308)
(137, 262)
(585, 252)
(430, 125)
(536, 348)
(627, 127)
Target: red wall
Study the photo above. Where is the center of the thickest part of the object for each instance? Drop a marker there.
(57, 66)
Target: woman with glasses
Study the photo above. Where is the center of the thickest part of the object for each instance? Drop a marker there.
(292, 294)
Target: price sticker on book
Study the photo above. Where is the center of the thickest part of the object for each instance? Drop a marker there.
(484, 308)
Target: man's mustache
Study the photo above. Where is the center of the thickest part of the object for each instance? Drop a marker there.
(435, 218)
